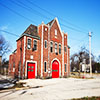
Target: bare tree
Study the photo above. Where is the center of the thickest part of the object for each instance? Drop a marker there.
(4, 46)
(98, 59)
(77, 58)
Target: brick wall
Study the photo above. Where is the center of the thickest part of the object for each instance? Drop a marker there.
(48, 35)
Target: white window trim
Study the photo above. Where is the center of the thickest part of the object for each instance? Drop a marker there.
(37, 44)
(46, 66)
(27, 43)
(46, 44)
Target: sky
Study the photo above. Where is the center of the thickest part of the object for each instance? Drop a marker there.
(76, 18)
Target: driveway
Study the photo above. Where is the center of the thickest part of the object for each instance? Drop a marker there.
(54, 89)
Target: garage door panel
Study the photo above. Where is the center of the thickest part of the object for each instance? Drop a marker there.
(31, 70)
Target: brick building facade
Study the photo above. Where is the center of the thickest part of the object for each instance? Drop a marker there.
(42, 51)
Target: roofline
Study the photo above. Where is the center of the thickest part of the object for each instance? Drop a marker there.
(57, 24)
(14, 51)
(24, 34)
(43, 24)
(68, 46)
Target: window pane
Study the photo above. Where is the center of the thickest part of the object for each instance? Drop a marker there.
(55, 32)
(65, 67)
(35, 45)
(45, 44)
(29, 43)
(65, 49)
(51, 47)
(59, 49)
(14, 65)
(55, 47)
(45, 65)
(51, 43)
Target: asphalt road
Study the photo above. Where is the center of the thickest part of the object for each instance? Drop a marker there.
(54, 89)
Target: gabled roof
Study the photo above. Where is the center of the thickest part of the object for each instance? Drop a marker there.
(32, 30)
(50, 22)
(15, 51)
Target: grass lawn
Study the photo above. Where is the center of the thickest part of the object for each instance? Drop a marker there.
(88, 98)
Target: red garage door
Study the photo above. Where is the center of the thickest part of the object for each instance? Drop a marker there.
(31, 70)
(55, 69)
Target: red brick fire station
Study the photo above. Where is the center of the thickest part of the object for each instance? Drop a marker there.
(42, 52)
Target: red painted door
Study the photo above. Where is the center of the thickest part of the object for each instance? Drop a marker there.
(31, 70)
(55, 69)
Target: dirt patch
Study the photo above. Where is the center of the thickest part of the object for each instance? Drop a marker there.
(19, 85)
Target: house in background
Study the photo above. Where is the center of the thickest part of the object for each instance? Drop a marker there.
(42, 51)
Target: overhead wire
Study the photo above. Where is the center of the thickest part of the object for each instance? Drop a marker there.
(9, 33)
(82, 40)
(54, 15)
(30, 9)
(71, 28)
(28, 18)
(17, 13)
(19, 36)
(32, 20)
(42, 15)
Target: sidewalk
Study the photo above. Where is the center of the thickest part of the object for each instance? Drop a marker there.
(54, 89)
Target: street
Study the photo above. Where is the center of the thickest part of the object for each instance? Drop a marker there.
(54, 89)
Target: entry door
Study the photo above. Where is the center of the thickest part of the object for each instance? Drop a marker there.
(31, 70)
(55, 69)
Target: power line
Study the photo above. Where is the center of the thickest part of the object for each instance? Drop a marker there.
(48, 17)
(72, 28)
(22, 5)
(10, 33)
(17, 13)
(70, 38)
(55, 15)
(82, 41)
(33, 21)
(19, 36)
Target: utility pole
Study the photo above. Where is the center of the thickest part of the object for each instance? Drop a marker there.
(90, 53)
